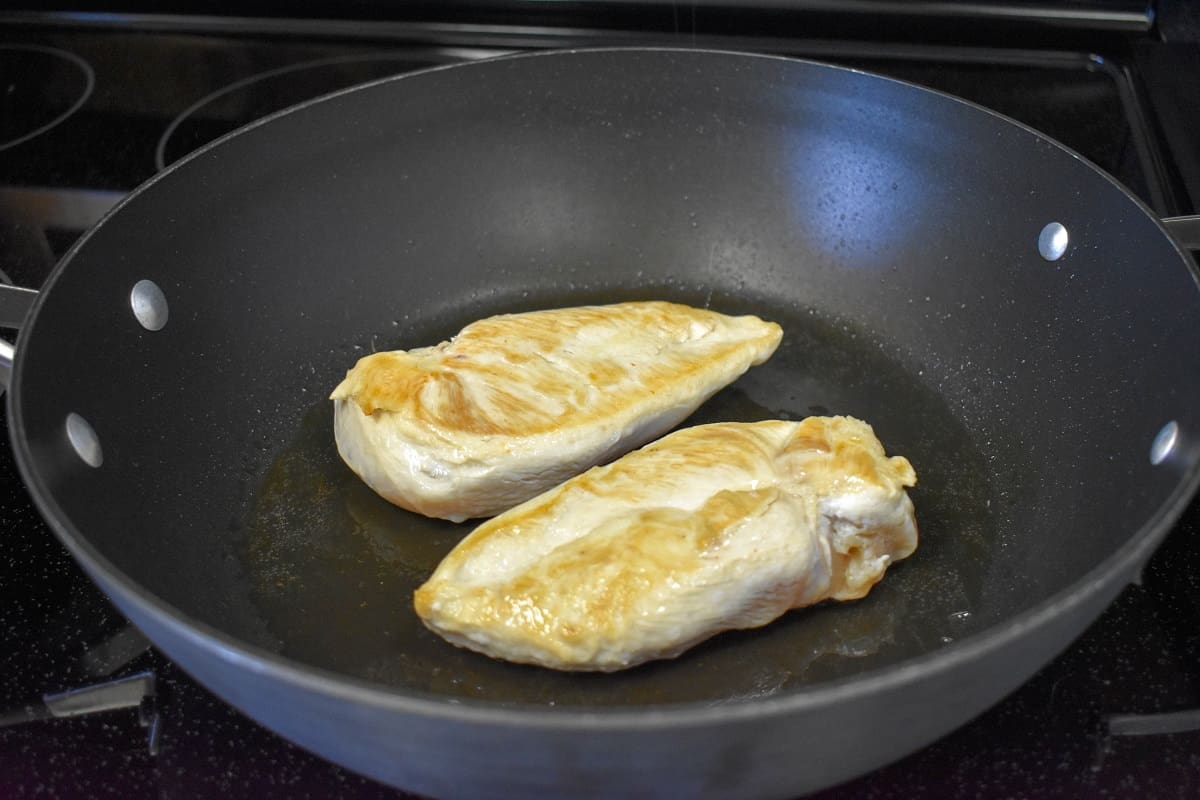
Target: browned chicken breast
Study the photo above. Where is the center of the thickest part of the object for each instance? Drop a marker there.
(711, 528)
(515, 404)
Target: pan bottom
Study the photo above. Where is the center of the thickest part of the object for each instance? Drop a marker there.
(333, 566)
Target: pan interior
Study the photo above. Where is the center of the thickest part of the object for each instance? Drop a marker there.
(891, 232)
(332, 567)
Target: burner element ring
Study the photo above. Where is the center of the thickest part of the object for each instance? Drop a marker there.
(67, 90)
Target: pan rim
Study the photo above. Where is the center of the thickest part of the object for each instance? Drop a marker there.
(1125, 561)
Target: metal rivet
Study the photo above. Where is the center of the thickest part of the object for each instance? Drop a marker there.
(1164, 442)
(1052, 241)
(149, 305)
(84, 439)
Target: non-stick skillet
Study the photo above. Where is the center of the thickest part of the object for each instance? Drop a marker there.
(1004, 314)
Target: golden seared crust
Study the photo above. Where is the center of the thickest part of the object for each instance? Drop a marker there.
(839, 453)
(524, 374)
(518, 403)
(714, 527)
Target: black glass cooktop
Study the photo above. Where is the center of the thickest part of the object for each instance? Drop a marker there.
(87, 114)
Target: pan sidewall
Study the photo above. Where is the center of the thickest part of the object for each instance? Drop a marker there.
(773, 749)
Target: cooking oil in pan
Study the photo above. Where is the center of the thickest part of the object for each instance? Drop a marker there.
(334, 566)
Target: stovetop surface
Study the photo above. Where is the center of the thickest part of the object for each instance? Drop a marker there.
(88, 114)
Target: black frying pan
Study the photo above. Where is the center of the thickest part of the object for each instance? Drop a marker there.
(1045, 398)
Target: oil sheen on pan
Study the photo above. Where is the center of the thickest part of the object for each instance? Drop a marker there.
(334, 566)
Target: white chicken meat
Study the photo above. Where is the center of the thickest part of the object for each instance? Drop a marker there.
(517, 403)
(711, 528)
